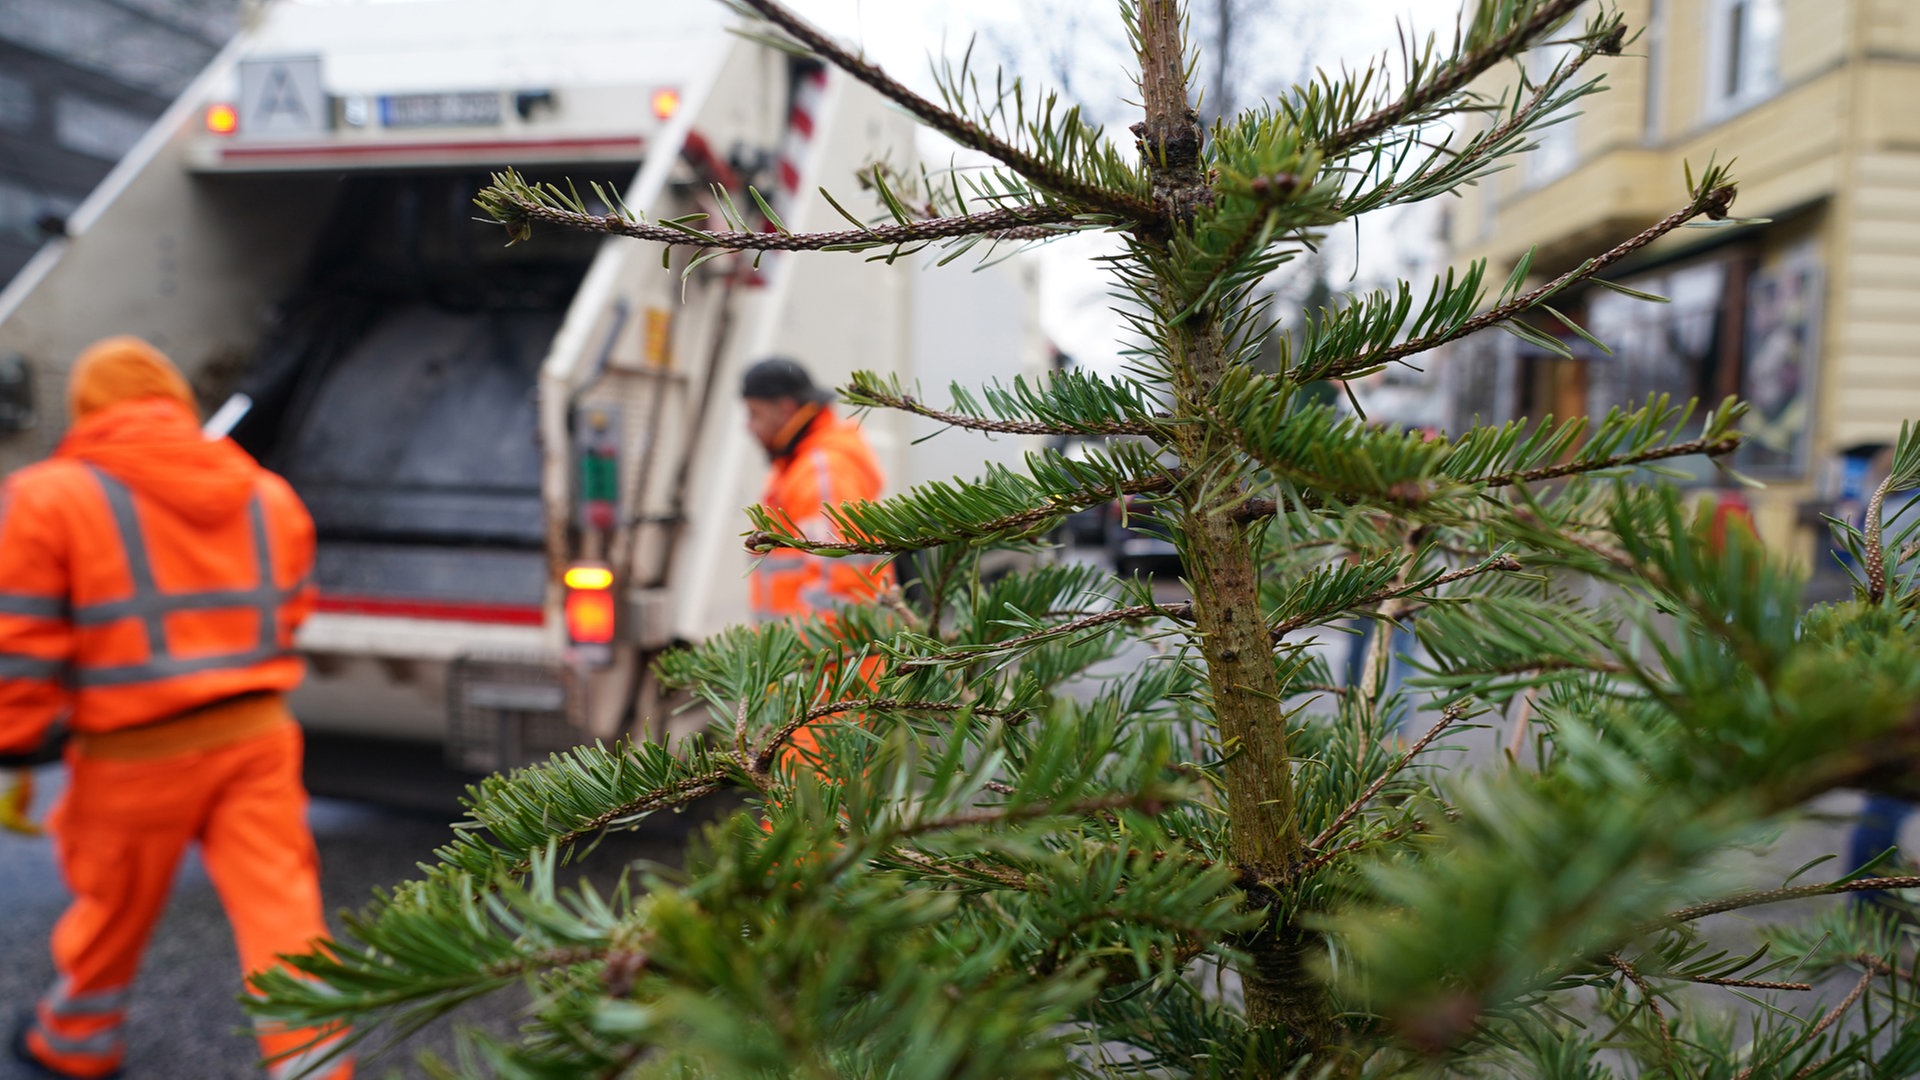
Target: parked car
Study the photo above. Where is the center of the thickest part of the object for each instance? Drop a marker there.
(1137, 542)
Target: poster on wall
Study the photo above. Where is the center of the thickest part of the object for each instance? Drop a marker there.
(1779, 361)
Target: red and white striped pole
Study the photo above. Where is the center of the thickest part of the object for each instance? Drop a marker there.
(809, 92)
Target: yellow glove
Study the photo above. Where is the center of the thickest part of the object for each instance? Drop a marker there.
(16, 804)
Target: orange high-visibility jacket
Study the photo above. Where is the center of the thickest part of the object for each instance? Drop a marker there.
(829, 463)
(145, 571)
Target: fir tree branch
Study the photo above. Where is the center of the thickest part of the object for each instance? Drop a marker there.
(764, 759)
(1712, 200)
(1392, 592)
(908, 403)
(1775, 896)
(1719, 447)
(1180, 612)
(1875, 968)
(1010, 815)
(1042, 174)
(1451, 78)
(762, 541)
(1352, 846)
(1492, 143)
(677, 794)
(1447, 719)
(518, 204)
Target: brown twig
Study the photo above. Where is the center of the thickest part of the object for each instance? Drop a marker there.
(1646, 995)
(1775, 896)
(1447, 719)
(1041, 174)
(1747, 984)
(1451, 79)
(1726, 444)
(1713, 203)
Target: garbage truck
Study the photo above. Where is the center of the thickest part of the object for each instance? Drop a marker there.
(526, 463)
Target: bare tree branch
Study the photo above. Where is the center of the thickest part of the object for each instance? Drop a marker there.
(1088, 196)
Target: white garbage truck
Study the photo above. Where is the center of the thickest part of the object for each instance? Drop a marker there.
(469, 420)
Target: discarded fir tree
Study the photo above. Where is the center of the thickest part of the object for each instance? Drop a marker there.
(1216, 862)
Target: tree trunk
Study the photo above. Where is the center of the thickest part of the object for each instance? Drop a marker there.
(1283, 998)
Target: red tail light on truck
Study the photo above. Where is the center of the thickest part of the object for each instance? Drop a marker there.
(589, 614)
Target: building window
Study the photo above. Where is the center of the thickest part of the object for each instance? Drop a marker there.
(16, 104)
(1743, 62)
(96, 129)
(1556, 150)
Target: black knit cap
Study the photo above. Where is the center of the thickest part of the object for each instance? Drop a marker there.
(779, 377)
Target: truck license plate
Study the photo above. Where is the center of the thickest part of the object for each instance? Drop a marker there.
(439, 110)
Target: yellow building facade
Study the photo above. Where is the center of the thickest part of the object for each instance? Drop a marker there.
(1814, 318)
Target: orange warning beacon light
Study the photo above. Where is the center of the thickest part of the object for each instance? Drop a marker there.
(222, 119)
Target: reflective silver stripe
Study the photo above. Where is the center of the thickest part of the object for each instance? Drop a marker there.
(37, 607)
(172, 667)
(133, 543)
(103, 1043)
(823, 476)
(302, 1062)
(143, 606)
(17, 666)
(151, 606)
(781, 564)
(62, 1001)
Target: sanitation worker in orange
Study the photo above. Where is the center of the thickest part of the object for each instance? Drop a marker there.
(150, 583)
(818, 460)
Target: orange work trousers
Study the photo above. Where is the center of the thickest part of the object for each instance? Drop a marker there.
(119, 832)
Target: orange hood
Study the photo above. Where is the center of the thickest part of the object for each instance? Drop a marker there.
(154, 446)
(119, 369)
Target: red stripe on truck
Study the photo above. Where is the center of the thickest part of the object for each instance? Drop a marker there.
(448, 610)
(379, 150)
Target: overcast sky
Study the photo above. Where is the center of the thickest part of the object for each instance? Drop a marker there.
(902, 34)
